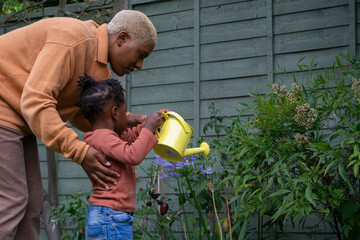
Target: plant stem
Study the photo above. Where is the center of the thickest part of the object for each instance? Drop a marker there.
(211, 187)
(197, 206)
(228, 208)
(183, 207)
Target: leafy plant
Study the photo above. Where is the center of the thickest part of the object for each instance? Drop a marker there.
(194, 192)
(71, 215)
(298, 153)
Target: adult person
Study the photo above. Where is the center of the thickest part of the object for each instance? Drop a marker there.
(40, 65)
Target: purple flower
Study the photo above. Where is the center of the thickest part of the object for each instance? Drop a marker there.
(163, 175)
(207, 171)
(162, 162)
(187, 163)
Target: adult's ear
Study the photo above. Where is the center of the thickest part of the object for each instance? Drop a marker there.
(122, 37)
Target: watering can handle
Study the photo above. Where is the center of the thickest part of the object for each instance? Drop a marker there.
(157, 130)
(178, 117)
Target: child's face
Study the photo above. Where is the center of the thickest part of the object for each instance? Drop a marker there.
(121, 120)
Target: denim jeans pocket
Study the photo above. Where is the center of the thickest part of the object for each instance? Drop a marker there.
(122, 218)
(96, 232)
(95, 226)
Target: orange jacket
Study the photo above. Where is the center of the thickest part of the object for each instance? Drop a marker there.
(39, 67)
(124, 153)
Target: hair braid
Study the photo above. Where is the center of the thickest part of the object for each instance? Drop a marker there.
(95, 95)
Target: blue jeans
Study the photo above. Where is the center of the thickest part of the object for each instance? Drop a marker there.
(107, 223)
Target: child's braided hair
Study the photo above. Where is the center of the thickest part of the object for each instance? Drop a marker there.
(95, 95)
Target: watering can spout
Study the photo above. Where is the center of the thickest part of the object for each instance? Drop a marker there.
(203, 149)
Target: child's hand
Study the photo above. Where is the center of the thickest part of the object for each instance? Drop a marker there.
(154, 120)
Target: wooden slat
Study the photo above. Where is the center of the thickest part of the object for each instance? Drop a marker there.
(311, 40)
(66, 186)
(173, 21)
(233, 69)
(161, 76)
(211, 3)
(175, 39)
(352, 26)
(169, 57)
(233, 12)
(270, 41)
(293, 6)
(226, 106)
(163, 7)
(69, 169)
(238, 87)
(317, 19)
(323, 58)
(165, 93)
(248, 29)
(183, 108)
(247, 48)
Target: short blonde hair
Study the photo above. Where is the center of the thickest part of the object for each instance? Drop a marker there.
(136, 23)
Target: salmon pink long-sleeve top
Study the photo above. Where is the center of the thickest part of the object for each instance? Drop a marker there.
(124, 153)
(39, 67)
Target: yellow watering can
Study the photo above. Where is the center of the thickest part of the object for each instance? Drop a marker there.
(174, 137)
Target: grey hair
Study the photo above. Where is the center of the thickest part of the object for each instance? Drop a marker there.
(136, 23)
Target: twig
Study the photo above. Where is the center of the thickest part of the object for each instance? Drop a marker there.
(20, 11)
(184, 229)
(228, 209)
(211, 187)
(93, 6)
(146, 216)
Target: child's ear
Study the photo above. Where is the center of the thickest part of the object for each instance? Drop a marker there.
(114, 111)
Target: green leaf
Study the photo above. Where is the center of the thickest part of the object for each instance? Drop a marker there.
(253, 94)
(338, 62)
(324, 146)
(308, 192)
(334, 136)
(271, 181)
(243, 104)
(343, 175)
(280, 192)
(356, 169)
(243, 229)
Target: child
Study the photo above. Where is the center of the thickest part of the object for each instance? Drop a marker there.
(103, 104)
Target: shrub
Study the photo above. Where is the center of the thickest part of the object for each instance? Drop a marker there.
(297, 154)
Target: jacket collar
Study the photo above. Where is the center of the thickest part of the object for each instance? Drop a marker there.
(102, 44)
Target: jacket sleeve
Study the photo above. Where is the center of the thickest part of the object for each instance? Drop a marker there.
(50, 73)
(130, 134)
(128, 153)
(80, 122)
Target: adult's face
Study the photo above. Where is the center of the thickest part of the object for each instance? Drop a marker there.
(126, 54)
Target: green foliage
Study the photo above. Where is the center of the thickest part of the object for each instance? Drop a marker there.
(71, 215)
(192, 177)
(9, 6)
(13, 12)
(298, 153)
(294, 153)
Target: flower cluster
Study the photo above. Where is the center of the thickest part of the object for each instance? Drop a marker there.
(279, 90)
(291, 96)
(301, 139)
(305, 116)
(356, 88)
(296, 88)
(180, 168)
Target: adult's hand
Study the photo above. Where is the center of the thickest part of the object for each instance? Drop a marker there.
(94, 166)
(134, 119)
